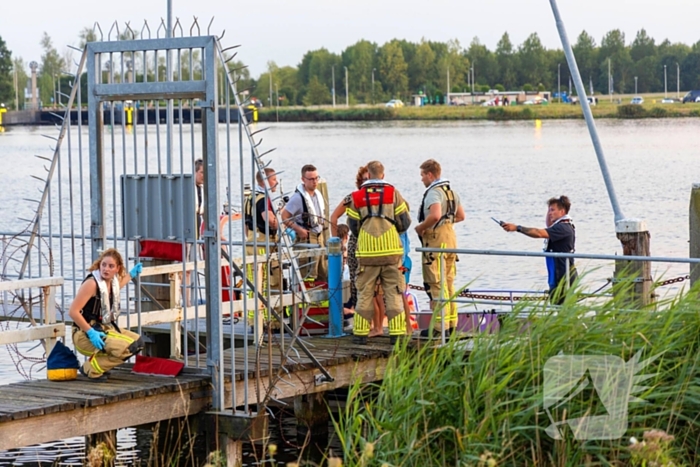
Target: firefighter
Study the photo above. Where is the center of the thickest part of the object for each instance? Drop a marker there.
(304, 213)
(260, 224)
(439, 211)
(377, 215)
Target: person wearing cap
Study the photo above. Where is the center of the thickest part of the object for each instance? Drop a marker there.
(559, 237)
(440, 209)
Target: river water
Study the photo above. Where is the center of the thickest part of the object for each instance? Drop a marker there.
(505, 170)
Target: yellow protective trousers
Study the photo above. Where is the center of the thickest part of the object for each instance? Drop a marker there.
(270, 270)
(392, 282)
(315, 268)
(434, 264)
(119, 346)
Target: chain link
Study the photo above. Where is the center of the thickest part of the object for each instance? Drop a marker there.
(516, 298)
(675, 280)
(502, 298)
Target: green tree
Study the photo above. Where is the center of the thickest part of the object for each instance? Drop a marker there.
(613, 48)
(20, 68)
(586, 54)
(507, 62)
(533, 61)
(642, 46)
(317, 93)
(393, 69)
(7, 92)
(483, 61)
(360, 60)
(86, 35)
(421, 68)
(50, 70)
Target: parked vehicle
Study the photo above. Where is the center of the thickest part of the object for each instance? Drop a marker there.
(692, 96)
(637, 100)
(668, 100)
(394, 103)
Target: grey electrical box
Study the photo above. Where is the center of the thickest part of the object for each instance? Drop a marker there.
(158, 207)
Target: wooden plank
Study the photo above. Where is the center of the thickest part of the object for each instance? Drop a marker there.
(89, 420)
(305, 381)
(30, 283)
(32, 333)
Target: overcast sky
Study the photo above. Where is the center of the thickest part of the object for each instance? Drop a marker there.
(283, 30)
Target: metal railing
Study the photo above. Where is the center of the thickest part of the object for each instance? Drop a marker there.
(533, 254)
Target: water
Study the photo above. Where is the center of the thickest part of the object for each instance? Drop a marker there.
(505, 170)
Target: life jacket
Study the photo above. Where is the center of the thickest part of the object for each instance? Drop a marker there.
(92, 311)
(371, 202)
(449, 215)
(309, 219)
(248, 211)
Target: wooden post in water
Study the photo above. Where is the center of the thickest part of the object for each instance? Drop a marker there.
(226, 433)
(101, 448)
(694, 232)
(635, 239)
(311, 412)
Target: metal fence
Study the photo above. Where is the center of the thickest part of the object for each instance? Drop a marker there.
(126, 180)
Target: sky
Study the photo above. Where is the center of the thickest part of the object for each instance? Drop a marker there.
(283, 30)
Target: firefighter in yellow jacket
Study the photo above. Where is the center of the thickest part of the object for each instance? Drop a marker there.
(377, 215)
(439, 211)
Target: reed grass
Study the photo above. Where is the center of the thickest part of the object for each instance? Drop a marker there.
(446, 406)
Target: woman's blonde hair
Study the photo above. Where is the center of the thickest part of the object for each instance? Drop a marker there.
(113, 253)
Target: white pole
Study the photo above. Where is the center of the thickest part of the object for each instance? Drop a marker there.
(678, 80)
(447, 95)
(347, 88)
(16, 90)
(585, 106)
(333, 83)
(609, 81)
(169, 71)
(373, 85)
(665, 83)
(635, 85)
(559, 81)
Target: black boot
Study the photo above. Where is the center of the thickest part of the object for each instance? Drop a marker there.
(360, 340)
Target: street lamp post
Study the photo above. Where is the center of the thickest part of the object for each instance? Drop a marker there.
(635, 85)
(665, 81)
(277, 95)
(678, 81)
(347, 87)
(559, 81)
(333, 83)
(609, 82)
(373, 69)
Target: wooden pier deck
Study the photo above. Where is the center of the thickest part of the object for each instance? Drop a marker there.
(39, 411)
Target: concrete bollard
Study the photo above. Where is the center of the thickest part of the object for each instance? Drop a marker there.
(635, 239)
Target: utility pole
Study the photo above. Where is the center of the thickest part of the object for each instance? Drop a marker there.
(333, 84)
(16, 90)
(447, 95)
(270, 70)
(678, 81)
(609, 81)
(347, 88)
(277, 94)
(635, 85)
(559, 81)
(373, 85)
(665, 81)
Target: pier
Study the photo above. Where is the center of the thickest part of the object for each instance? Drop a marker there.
(40, 411)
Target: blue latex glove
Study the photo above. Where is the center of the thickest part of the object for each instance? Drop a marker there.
(136, 270)
(291, 233)
(96, 338)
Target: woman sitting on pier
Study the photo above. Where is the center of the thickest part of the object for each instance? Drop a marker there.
(94, 312)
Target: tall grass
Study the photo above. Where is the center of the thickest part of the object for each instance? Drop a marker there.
(446, 406)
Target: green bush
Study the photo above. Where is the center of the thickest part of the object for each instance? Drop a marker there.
(500, 88)
(504, 113)
(527, 87)
(631, 111)
(658, 112)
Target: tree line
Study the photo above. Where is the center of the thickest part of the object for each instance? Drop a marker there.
(399, 68)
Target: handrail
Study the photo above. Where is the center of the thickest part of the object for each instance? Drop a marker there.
(547, 254)
(49, 331)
